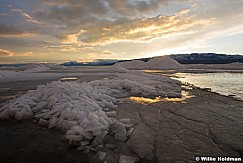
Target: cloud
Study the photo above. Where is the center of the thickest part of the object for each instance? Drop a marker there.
(13, 31)
(17, 23)
(136, 8)
(102, 22)
(108, 53)
(139, 30)
(89, 23)
(64, 47)
(71, 12)
(105, 54)
(4, 52)
(108, 27)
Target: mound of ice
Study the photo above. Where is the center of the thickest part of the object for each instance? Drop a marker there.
(85, 111)
(6, 73)
(134, 64)
(154, 85)
(79, 109)
(162, 62)
(72, 107)
(35, 68)
(22, 71)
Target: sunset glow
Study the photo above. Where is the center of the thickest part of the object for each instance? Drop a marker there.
(64, 30)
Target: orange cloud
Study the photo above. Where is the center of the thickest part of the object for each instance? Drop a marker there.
(21, 35)
(8, 53)
(72, 38)
(139, 30)
(24, 14)
(4, 52)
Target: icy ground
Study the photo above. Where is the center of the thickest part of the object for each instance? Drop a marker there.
(13, 73)
(86, 111)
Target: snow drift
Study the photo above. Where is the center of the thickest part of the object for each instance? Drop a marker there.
(22, 71)
(162, 62)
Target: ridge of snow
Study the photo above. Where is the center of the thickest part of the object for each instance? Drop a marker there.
(22, 71)
(162, 62)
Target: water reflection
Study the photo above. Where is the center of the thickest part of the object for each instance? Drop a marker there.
(68, 79)
(169, 73)
(158, 71)
(229, 84)
(144, 100)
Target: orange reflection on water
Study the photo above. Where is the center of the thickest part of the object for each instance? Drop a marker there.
(68, 78)
(158, 71)
(143, 100)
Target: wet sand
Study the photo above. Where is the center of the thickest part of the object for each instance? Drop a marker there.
(206, 125)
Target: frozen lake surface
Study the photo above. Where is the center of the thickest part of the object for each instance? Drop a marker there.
(230, 84)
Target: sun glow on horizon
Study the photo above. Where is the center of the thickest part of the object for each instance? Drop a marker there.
(124, 30)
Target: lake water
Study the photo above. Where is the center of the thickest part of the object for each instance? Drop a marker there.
(224, 83)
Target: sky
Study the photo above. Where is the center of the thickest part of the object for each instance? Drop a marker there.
(87, 30)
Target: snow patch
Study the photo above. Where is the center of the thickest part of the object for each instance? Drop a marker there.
(156, 63)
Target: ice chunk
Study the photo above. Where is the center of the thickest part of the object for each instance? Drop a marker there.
(125, 120)
(101, 155)
(110, 146)
(41, 105)
(98, 139)
(81, 131)
(43, 122)
(53, 122)
(74, 137)
(91, 148)
(84, 143)
(52, 101)
(127, 159)
(120, 131)
(24, 113)
(111, 114)
(130, 131)
(81, 148)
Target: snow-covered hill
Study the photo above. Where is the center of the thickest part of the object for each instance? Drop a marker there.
(162, 62)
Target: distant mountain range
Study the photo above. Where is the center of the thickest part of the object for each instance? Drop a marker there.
(206, 58)
(99, 62)
(194, 58)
